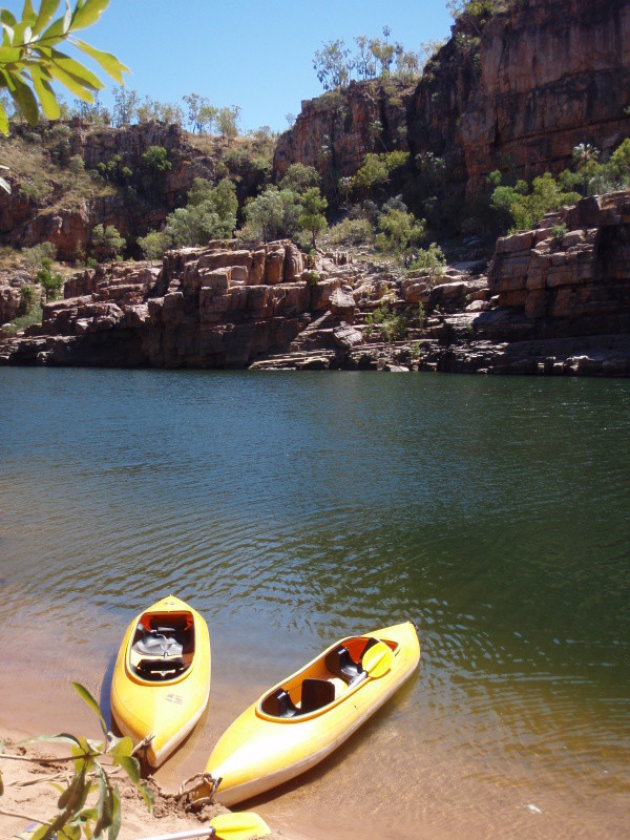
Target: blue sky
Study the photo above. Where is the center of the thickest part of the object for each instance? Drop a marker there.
(245, 52)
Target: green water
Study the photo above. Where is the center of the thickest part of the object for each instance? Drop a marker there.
(293, 509)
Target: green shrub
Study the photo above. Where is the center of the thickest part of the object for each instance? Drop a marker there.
(107, 243)
(76, 164)
(558, 232)
(22, 322)
(153, 245)
(430, 260)
(272, 215)
(393, 326)
(50, 282)
(377, 169)
(34, 257)
(352, 232)
(300, 178)
(527, 207)
(311, 277)
(27, 299)
(398, 231)
(209, 214)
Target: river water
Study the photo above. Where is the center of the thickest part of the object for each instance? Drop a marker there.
(292, 509)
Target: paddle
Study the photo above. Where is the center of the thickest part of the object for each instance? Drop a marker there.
(377, 660)
(243, 826)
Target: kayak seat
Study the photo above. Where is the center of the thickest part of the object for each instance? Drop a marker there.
(161, 668)
(341, 664)
(153, 643)
(279, 704)
(316, 694)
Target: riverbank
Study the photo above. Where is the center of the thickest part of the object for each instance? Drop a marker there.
(30, 797)
(551, 301)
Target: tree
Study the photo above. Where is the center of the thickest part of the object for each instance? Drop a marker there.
(156, 165)
(364, 63)
(30, 61)
(585, 157)
(272, 214)
(169, 113)
(50, 283)
(107, 243)
(398, 231)
(209, 214)
(152, 245)
(227, 120)
(300, 178)
(333, 64)
(207, 116)
(312, 217)
(125, 105)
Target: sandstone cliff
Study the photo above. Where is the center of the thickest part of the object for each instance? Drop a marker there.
(516, 93)
(334, 132)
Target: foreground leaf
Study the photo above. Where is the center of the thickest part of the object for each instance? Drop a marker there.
(108, 62)
(88, 14)
(87, 697)
(131, 766)
(46, 12)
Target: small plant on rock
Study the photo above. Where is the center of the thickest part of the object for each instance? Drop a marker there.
(27, 299)
(558, 232)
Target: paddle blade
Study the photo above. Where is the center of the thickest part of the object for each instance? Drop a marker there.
(243, 826)
(377, 660)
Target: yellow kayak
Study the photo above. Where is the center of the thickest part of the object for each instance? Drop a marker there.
(161, 680)
(301, 720)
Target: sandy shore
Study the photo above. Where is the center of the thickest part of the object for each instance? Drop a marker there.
(30, 796)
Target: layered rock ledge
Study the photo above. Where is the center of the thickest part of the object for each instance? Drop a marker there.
(553, 300)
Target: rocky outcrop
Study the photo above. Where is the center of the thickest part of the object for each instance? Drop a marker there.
(334, 132)
(25, 221)
(555, 300)
(568, 277)
(220, 306)
(514, 91)
(518, 93)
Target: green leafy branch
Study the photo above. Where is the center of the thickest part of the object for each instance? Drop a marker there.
(76, 817)
(30, 61)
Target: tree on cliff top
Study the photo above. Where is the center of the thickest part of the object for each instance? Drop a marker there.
(30, 61)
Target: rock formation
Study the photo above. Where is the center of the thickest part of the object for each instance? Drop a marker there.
(515, 93)
(334, 132)
(25, 221)
(555, 299)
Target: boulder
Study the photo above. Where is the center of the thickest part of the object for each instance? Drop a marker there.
(274, 266)
(342, 303)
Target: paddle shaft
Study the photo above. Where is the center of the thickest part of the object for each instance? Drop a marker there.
(185, 835)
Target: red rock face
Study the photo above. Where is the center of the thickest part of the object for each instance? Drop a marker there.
(574, 284)
(516, 95)
(547, 75)
(334, 132)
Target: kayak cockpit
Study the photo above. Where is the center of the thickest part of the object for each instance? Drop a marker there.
(323, 682)
(162, 646)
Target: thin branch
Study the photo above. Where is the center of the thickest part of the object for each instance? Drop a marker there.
(41, 760)
(22, 817)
